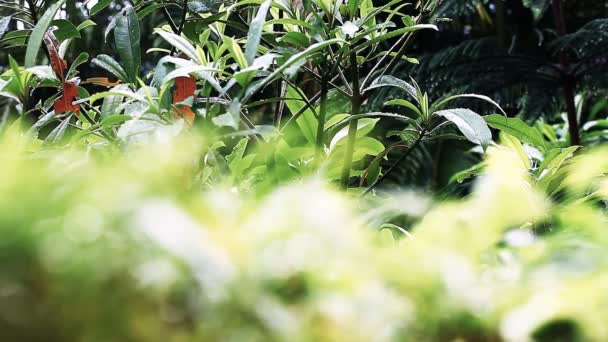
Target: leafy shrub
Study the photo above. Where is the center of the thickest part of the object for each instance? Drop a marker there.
(199, 194)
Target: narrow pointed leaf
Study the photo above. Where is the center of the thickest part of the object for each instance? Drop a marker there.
(35, 40)
(470, 124)
(516, 128)
(127, 37)
(255, 32)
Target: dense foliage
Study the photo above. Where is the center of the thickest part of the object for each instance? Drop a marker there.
(306, 170)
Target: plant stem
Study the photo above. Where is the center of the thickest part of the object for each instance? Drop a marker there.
(403, 44)
(356, 100)
(401, 159)
(322, 114)
(170, 21)
(568, 81)
(181, 23)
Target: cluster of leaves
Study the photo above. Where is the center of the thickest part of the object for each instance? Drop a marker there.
(234, 70)
(105, 153)
(116, 249)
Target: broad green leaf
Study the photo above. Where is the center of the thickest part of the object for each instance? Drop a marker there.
(85, 24)
(363, 146)
(364, 127)
(65, 30)
(293, 60)
(43, 72)
(200, 71)
(180, 43)
(255, 32)
(111, 65)
(100, 5)
(472, 171)
(111, 104)
(394, 33)
(113, 120)
(307, 121)
(144, 12)
(516, 128)
(343, 123)
(481, 97)
(127, 37)
(81, 59)
(391, 81)
(555, 158)
(236, 52)
(119, 92)
(237, 152)
(18, 78)
(295, 38)
(35, 40)
(57, 134)
(404, 103)
(515, 145)
(470, 124)
(550, 172)
(290, 21)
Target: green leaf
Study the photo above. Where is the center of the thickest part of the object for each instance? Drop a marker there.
(44, 72)
(290, 21)
(144, 12)
(57, 134)
(114, 120)
(111, 65)
(364, 127)
(307, 121)
(81, 59)
(85, 24)
(126, 37)
(180, 43)
(112, 103)
(556, 158)
(297, 39)
(236, 52)
(120, 92)
(237, 152)
(35, 40)
(395, 33)
(404, 103)
(470, 124)
(516, 145)
(17, 76)
(516, 128)
(99, 6)
(472, 171)
(363, 146)
(481, 97)
(391, 81)
(290, 62)
(255, 32)
(550, 170)
(65, 30)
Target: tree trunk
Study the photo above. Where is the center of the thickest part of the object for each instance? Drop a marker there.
(568, 82)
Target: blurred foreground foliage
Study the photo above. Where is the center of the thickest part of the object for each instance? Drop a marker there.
(99, 246)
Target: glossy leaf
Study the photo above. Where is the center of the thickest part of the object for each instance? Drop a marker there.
(391, 81)
(35, 40)
(517, 128)
(255, 32)
(111, 65)
(127, 36)
(65, 30)
(470, 124)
